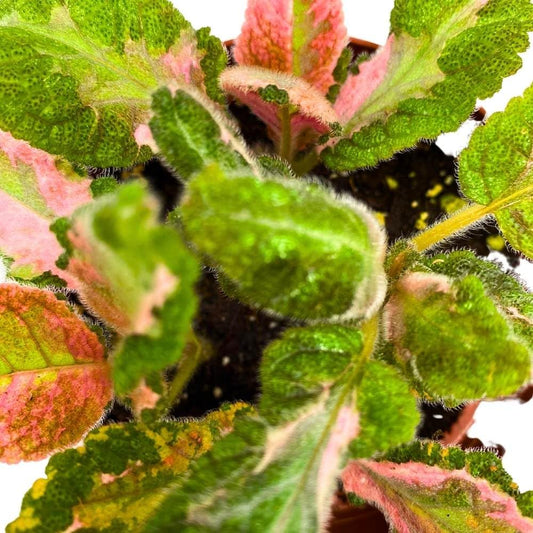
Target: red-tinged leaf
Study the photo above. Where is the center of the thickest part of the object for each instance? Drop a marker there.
(300, 37)
(310, 114)
(54, 380)
(35, 189)
(419, 497)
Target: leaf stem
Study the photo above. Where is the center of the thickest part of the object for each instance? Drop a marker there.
(285, 149)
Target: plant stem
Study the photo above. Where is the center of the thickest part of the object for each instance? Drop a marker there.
(447, 227)
(303, 165)
(285, 149)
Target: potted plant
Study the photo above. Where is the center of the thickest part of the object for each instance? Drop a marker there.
(102, 296)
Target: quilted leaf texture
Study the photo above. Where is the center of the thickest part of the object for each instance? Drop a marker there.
(54, 379)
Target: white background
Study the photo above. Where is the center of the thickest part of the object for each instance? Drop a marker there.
(506, 423)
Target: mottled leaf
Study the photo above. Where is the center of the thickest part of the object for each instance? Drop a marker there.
(117, 479)
(77, 76)
(440, 57)
(136, 275)
(452, 337)
(35, 189)
(496, 170)
(277, 471)
(300, 37)
(288, 246)
(449, 490)
(54, 380)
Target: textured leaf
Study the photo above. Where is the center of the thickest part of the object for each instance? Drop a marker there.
(440, 58)
(448, 493)
(191, 133)
(35, 189)
(300, 37)
(281, 101)
(54, 380)
(116, 480)
(496, 170)
(453, 338)
(137, 276)
(291, 247)
(277, 471)
(77, 77)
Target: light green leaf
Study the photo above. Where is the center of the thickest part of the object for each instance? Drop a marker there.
(496, 170)
(117, 479)
(288, 246)
(136, 275)
(440, 58)
(77, 76)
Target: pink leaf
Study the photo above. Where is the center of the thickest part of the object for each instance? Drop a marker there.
(418, 497)
(54, 380)
(300, 37)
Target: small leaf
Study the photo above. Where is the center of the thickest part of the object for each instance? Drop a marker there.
(35, 189)
(119, 476)
(191, 133)
(453, 338)
(77, 77)
(496, 170)
(452, 496)
(137, 276)
(290, 247)
(54, 380)
(440, 57)
(300, 37)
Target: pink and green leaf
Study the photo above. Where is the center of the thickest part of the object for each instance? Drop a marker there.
(35, 189)
(300, 37)
(54, 379)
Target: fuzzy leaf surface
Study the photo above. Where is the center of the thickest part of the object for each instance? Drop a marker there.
(453, 339)
(77, 77)
(496, 170)
(35, 189)
(290, 247)
(300, 37)
(137, 276)
(289, 455)
(445, 490)
(116, 480)
(54, 380)
(191, 133)
(440, 57)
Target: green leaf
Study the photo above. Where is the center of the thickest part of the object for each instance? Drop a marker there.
(277, 471)
(191, 133)
(496, 170)
(288, 246)
(451, 336)
(137, 276)
(440, 58)
(77, 77)
(117, 479)
(54, 379)
(447, 490)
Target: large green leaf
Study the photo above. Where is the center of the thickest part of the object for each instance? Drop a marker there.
(136, 275)
(54, 379)
(288, 246)
(77, 76)
(117, 479)
(440, 58)
(276, 472)
(496, 170)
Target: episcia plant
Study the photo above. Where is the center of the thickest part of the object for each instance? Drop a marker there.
(99, 301)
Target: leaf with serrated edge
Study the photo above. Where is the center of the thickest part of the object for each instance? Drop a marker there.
(35, 189)
(97, 486)
(496, 170)
(439, 59)
(300, 37)
(77, 77)
(54, 380)
(288, 246)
